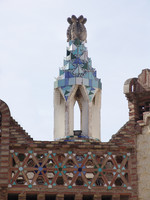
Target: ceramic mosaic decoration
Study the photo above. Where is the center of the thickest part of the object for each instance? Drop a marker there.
(77, 70)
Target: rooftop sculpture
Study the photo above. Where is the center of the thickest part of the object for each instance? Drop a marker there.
(76, 30)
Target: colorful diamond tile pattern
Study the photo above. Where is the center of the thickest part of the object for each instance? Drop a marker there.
(70, 170)
(77, 70)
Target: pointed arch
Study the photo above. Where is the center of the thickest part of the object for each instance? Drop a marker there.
(77, 116)
(80, 95)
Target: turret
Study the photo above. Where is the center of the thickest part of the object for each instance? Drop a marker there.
(77, 82)
(137, 91)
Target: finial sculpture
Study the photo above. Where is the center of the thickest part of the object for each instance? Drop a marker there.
(76, 30)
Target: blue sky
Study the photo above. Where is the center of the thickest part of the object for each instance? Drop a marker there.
(33, 45)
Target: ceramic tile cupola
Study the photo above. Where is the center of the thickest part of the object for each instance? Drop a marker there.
(77, 81)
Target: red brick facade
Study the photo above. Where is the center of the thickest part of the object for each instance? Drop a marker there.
(74, 166)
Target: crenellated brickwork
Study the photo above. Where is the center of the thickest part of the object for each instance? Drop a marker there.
(4, 146)
(137, 91)
(10, 132)
(17, 134)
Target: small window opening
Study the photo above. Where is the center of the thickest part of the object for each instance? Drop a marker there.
(126, 165)
(77, 132)
(12, 196)
(124, 197)
(109, 164)
(21, 157)
(12, 174)
(99, 158)
(132, 88)
(87, 197)
(69, 197)
(99, 182)
(50, 197)
(60, 181)
(119, 159)
(40, 180)
(79, 181)
(61, 157)
(31, 197)
(69, 175)
(106, 197)
(118, 182)
(50, 163)
(13, 162)
(143, 107)
(20, 180)
(77, 116)
(69, 164)
(89, 164)
(40, 157)
(126, 177)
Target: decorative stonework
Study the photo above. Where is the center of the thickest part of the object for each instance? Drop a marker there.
(69, 170)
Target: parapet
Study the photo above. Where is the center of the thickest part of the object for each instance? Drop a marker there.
(137, 91)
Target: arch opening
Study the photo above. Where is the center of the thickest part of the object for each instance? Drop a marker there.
(77, 117)
(78, 99)
(80, 109)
